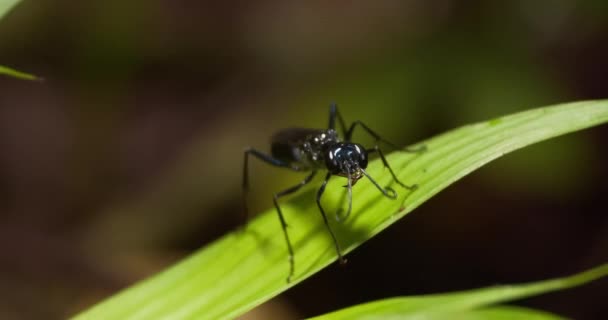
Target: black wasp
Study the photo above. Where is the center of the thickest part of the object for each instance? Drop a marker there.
(311, 150)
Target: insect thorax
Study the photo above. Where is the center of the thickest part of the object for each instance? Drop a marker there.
(312, 149)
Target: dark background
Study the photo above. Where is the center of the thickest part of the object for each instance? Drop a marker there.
(128, 156)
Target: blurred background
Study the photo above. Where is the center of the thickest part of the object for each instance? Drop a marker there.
(129, 155)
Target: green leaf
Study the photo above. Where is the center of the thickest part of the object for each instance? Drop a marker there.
(17, 74)
(440, 306)
(504, 313)
(245, 268)
(6, 6)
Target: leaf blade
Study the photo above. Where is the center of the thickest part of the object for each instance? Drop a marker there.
(447, 304)
(243, 269)
(507, 313)
(6, 6)
(17, 74)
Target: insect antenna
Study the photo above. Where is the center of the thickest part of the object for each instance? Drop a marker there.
(387, 192)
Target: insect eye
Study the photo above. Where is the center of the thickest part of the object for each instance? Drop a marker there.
(362, 157)
(332, 160)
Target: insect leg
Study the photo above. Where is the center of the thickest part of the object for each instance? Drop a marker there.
(333, 114)
(387, 192)
(264, 157)
(378, 138)
(282, 218)
(386, 165)
(319, 194)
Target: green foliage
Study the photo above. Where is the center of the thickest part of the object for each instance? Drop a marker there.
(247, 267)
(465, 305)
(501, 313)
(17, 74)
(5, 7)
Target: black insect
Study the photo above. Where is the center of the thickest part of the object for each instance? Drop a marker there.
(303, 149)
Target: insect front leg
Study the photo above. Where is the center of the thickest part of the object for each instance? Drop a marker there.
(284, 223)
(386, 165)
(336, 245)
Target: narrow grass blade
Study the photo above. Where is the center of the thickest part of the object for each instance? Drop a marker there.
(504, 313)
(6, 6)
(247, 267)
(457, 304)
(17, 74)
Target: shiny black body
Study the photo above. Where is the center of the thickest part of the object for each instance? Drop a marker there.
(312, 150)
(302, 147)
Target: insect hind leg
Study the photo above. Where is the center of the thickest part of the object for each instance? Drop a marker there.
(267, 159)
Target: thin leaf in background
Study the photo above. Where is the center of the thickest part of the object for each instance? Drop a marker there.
(501, 313)
(440, 306)
(5, 7)
(245, 268)
(17, 74)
